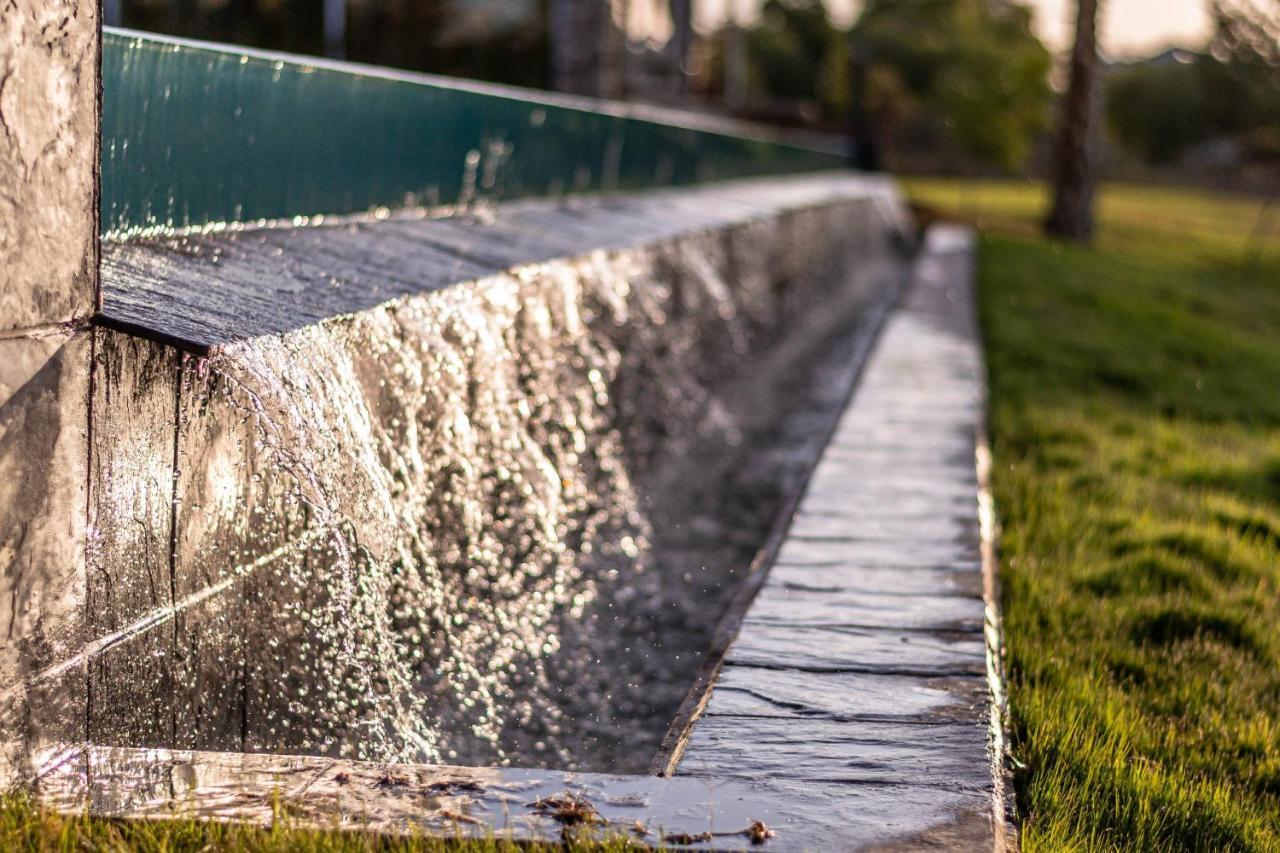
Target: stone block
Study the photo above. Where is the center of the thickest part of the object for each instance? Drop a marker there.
(43, 459)
(48, 161)
(826, 751)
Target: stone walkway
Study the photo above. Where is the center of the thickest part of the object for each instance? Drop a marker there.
(862, 664)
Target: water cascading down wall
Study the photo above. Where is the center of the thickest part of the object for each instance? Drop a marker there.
(415, 420)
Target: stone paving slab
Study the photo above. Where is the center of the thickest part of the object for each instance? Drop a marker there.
(875, 580)
(882, 550)
(768, 646)
(834, 608)
(742, 691)
(864, 659)
(835, 751)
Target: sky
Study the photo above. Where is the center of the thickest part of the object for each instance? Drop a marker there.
(1128, 27)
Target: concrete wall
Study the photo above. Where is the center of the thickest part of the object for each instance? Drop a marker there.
(48, 267)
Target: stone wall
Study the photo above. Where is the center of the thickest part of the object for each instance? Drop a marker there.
(48, 267)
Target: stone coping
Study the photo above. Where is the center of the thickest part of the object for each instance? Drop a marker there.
(202, 291)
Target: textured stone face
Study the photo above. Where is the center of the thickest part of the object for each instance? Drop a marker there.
(48, 161)
(43, 454)
(130, 514)
(48, 273)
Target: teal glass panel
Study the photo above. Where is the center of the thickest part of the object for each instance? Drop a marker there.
(195, 134)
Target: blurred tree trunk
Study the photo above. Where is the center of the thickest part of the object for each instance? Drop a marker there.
(864, 153)
(1073, 166)
(585, 48)
(335, 29)
(681, 37)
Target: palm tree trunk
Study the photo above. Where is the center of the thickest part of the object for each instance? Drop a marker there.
(1073, 167)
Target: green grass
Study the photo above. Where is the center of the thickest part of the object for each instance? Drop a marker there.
(1135, 423)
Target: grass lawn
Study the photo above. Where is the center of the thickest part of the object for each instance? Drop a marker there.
(1135, 423)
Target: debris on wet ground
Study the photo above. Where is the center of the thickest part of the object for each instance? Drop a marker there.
(758, 832)
(392, 780)
(449, 788)
(568, 809)
(459, 817)
(686, 837)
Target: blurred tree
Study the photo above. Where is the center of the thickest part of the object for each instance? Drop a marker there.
(681, 36)
(1246, 42)
(1073, 169)
(786, 51)
(970, 71)
(1161, 108)
(499, 40)
(1165, 106)
(1158, 109)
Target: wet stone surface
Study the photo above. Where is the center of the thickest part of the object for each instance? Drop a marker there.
(862, 661)
(43, 417)
(203, 292)
(852, 713)
(548, 805)
(131, 521)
